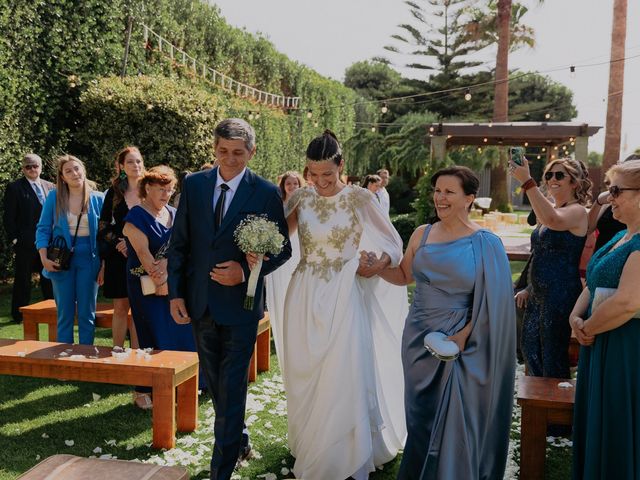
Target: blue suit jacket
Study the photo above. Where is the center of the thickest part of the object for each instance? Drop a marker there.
(197, 246)
(50, 226)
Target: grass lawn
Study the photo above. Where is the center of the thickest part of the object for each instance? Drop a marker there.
(40, 417)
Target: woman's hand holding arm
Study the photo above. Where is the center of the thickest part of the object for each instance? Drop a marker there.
(402, 274)
(156, 269)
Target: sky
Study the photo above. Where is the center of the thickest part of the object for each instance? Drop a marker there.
(330, 35)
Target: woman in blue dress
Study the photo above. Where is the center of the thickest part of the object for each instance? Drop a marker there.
(557, 244)
(458, 412)
(147, 231)
(606, 423)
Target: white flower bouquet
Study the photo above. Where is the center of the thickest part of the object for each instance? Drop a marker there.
(257, 234)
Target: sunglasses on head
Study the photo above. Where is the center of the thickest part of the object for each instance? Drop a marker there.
(31, 167)
(615, 190)
(559, 175)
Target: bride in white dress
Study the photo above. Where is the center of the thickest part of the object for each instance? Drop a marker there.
(342, 363)
(276, 283)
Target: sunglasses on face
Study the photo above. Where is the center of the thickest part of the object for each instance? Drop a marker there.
(615, 190)
(31, 167)
(559, 176)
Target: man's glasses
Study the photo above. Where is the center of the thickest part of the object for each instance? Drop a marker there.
(559, 175)
(615, 190)
(31, 167)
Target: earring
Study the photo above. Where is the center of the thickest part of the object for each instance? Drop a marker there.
(123, 175)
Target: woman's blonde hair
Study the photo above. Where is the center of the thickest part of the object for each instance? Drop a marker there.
(629, 170)
(579, 175)
(62, 189)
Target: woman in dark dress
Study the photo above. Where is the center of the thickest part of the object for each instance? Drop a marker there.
(606, 423)
(121, 196)
(147, 231)
(557, 244)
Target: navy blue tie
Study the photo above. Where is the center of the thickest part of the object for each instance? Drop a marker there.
(218, 212)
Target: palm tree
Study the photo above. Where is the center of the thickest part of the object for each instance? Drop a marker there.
(499, 192)
(616, 85)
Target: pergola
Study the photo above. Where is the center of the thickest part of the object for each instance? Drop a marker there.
(551, 136)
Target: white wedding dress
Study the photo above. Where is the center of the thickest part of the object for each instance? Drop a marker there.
(342, 363)
(276, 285)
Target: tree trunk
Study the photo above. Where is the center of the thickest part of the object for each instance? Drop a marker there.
(499, 192)
(616, 85)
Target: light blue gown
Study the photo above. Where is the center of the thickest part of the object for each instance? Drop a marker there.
(459, 412)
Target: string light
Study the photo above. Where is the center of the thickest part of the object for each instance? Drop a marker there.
(257, 115)
(373, 128)
(490, 124)
(479, 150)
(544, 149)
(384, 108)
(538, 157)
(309, 113)
(485, 139)
(572, 71)
(467, 95)
(547, 116)
(315, 124)
(526, 144)
(250, 115)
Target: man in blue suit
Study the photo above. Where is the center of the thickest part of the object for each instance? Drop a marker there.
(208, 278)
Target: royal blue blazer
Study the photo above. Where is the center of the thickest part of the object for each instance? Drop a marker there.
(196, 246)
(50, 226)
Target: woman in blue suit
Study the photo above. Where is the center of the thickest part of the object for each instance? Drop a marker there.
(71, 212)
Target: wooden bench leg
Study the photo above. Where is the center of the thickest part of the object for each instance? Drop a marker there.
(533, 442)
(253, 365)
(188, 405)
(53, 332)
(264, 351)
(164, 412)
(30, 329)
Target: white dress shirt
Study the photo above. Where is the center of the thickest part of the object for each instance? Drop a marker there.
(233, 185)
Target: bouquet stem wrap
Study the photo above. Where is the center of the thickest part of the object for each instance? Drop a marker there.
(253, 283)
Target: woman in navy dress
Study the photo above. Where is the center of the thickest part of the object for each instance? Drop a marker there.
(557, 244)
(147, 231)
(606, 423)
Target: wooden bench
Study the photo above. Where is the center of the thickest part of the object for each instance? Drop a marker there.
(45, 312)
(164, 371)
(70, 467)
(543, 403)
(261, 358)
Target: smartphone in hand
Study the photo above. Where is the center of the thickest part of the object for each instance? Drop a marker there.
(517, 155)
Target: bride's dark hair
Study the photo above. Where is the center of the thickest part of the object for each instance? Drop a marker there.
(325, 147)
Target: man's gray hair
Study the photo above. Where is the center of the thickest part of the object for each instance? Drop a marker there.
(236, 129)
(31, 158)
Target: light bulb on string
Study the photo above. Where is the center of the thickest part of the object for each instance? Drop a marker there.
(384, 108)
(309, 113)
(467, 95)
(257, 115)
(547, 116)
(315, 124)
(373, 128)
(250, 115)
(572, 71)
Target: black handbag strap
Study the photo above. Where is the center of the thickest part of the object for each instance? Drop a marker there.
(75, 235)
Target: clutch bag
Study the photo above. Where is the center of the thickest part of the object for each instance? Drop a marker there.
(148, 287)
(438, 345)
(601, 294)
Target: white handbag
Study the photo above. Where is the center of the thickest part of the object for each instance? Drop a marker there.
(438, 345)
(601, 294)
(148, 287)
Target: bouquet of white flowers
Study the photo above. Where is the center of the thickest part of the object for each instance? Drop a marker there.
(257, 234)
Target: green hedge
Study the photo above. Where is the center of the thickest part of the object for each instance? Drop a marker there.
(53, 53)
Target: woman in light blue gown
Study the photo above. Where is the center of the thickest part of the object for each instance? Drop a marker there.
(458, 412)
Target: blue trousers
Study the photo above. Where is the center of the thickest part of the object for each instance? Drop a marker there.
(77, 288)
